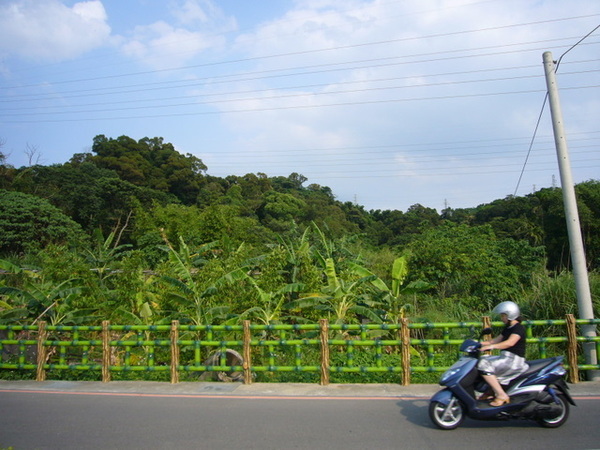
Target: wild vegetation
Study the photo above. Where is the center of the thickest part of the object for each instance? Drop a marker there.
(137, 233)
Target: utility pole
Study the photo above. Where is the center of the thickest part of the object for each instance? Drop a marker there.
(582, 285)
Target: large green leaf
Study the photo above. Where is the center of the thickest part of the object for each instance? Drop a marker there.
(332, 279)
(366, 273)
(399, 274)
(13, 315)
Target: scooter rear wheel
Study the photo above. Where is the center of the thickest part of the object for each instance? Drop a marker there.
(561, 418)
(446, 417)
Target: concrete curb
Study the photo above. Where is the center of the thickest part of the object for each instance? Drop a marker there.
(587, 388)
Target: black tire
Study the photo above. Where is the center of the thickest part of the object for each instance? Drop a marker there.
(447, 417)
(561, 419)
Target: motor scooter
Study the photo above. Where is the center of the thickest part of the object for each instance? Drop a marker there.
(540, 393)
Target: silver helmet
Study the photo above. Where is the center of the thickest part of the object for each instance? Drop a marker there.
(509, 308)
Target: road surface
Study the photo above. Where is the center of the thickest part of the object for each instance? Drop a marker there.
(103, 420)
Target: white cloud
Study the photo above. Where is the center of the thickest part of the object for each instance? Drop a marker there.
(198, 26)
(188, 12)
(160, 45)
(48, 30)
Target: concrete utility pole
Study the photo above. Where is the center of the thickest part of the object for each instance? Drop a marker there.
(582, 285)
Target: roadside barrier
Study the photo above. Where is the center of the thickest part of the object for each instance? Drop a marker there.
(239, 352)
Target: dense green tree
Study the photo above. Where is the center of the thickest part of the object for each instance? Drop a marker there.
(151, 163)
(293, 182)
(400, 228)
(279, 210)
(514, 217)
(7, 172)
(588, 195)
(212, 190)
(470, 264)
(252, 189)
(92, 196)
(29, 223)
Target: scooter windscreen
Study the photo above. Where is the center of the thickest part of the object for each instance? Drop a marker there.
(470, 346)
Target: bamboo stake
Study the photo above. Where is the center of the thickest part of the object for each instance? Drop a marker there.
(41, 352)
(324, 324)
(405, 350)
(572, 349)
(105, 351)
(247, 362)
(174, 352)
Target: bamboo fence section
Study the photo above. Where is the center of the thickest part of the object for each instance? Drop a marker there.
(322, 348)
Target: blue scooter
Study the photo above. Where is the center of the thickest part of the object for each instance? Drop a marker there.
(540, 393)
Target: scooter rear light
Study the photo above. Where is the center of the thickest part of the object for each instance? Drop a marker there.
(558, 370)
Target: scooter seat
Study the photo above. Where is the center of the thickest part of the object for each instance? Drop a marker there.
(537, 364)
(534, 366)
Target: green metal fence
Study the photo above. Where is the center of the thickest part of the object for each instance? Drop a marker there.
(241, 352)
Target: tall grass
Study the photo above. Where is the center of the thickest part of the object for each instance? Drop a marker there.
(555, 296)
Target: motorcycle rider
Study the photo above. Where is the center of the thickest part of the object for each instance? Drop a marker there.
(498, 370)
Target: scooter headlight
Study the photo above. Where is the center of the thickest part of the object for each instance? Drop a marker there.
(449, 374)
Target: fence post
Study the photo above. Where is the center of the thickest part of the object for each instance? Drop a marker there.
(572, 349)
(174, 352)
(324, 324)
(247, 363)
(41, 352)
(105, 351)
(486, 321)
(405, 350)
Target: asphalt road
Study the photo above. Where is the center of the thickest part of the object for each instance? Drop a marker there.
(100, 419)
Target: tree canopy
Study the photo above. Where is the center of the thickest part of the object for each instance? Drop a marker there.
(29, 223)
(148, 233)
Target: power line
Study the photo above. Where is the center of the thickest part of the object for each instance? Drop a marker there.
(280, 108)
(323, 68)
(422, 146)
(279, 96)
(297, 53)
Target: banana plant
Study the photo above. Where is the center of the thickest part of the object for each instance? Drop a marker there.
(296, 254)
(393, 297)
(144, 301)
(48, 301)
(104, 253)
(270, 305)
(185, 290)
(343, 300)
(9, 312)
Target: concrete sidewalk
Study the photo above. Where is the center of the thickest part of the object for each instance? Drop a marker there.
(202, 388)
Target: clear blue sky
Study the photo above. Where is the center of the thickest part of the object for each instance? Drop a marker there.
(389, 103)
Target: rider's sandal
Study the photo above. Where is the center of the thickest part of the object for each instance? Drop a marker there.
(500, 401)
(485, 396)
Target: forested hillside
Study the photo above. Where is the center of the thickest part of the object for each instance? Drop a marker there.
(136, 232)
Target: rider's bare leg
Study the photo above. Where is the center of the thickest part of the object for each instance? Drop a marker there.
(493, 382)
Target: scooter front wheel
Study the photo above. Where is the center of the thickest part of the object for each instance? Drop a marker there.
(446, 417)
